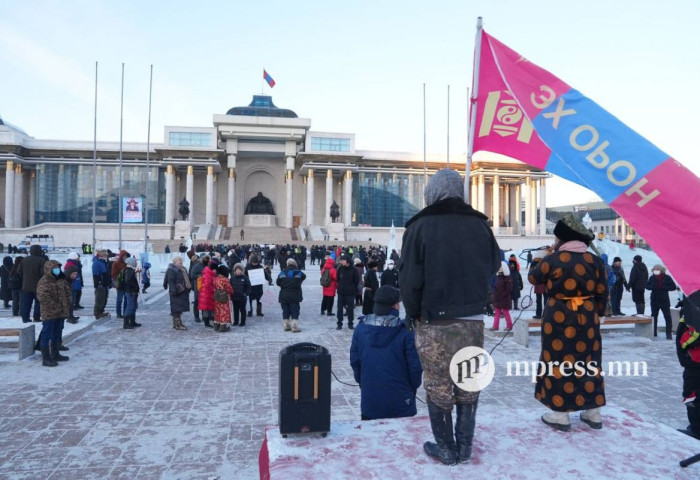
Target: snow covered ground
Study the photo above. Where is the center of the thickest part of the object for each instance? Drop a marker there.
(158, 403)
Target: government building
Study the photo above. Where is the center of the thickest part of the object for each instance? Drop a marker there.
(260, 168)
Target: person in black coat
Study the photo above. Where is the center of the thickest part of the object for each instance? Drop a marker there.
(241, 288)
(348, 279)
(32, 270)
(517, 283)
(390, 276)
(660, 284)
(256, 291)
(289, 280)
(371, 287)
(5, 292)
(639, 275)
(179, 286)
(688, 351)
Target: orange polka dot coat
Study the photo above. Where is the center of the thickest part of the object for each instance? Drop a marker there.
(577, 290)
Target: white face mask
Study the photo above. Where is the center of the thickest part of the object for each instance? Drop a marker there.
(390, 267)
(656, 272)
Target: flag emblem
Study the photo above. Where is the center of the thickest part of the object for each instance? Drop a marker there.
(268, 79)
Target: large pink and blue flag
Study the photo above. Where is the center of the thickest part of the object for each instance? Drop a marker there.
(527, 113)
(268, 78)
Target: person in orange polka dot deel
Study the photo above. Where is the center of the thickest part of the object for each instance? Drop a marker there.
(577, 292)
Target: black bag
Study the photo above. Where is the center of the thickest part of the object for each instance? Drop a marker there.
(221, 295)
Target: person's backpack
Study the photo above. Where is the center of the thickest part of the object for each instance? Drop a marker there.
(326, 279)
(220, 295)
(199, 283)
(120, 279)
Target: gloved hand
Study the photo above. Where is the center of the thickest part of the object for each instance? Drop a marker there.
(410, 322)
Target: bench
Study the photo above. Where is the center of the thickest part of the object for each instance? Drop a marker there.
(643, 327)
(25, 338)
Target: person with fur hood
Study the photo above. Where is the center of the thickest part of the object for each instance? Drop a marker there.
(502, 297)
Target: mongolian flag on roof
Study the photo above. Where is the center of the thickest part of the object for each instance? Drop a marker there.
(525, 112)
(268, 79)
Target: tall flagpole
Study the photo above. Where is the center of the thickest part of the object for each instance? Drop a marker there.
(148, 167)
(448, 125)
(425, 167)
(94, 170)
(121, 130)
(472, 105)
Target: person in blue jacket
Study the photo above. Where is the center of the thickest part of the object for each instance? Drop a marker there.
(384, 360)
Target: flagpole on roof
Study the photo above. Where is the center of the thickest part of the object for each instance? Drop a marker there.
(472, 105)
(425, 167)
(448, 125)
(121, 131)
(148, 167)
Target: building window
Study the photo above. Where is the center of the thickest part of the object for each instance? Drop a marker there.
(380, 199)
(330, 144)
(189, 139)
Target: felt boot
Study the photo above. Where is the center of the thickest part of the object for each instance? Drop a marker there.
(557, 420)
(592, 418)
(287, 326)
(295, 326)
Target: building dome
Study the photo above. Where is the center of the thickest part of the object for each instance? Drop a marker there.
(262, 106)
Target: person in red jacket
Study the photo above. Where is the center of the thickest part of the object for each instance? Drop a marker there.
(206, 294)
(501, 297)
(329, 291)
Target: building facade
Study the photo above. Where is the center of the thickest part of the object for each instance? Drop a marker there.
(258, 148)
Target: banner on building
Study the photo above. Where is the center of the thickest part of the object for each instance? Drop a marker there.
(132, 210)
(525, 112)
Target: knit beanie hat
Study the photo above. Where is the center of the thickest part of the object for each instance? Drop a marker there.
(446, 183)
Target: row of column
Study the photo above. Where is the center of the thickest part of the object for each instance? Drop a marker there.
(15, 205)
(346, 216)
(512, 196)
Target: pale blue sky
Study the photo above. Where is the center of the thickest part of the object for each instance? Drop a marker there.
(355, 67)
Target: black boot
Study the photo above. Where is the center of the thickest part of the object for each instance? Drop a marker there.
(61, 348)
(46, 359)
(464, 430)
(132, 320)
(206, 322)
(640, 308)
(259, 311)
(127, 323)
(55, 354)
(37, 345)
(441, 423)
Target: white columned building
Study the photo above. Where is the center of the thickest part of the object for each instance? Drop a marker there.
(481, 198)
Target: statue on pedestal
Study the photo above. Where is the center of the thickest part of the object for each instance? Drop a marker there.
(184, 209)
(259, 205)
(335, 212)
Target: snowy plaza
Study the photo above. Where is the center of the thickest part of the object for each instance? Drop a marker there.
(159, 403)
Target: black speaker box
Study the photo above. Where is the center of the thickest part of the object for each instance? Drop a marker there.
(305, 389)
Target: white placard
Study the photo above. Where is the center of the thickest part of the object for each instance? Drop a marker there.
(256, 276)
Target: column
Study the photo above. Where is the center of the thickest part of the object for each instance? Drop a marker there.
(189, 192)
(19, 197)
(624, 230)
(481, 197)
(347, 198)
(32, 198)
(543, 208)
(526, 198)
(533, 205)
(169, 194)
(216, 199)
(288, 221)
(513, 208)
(329, 196)
(310, 201)
(210, 197)
(10, 195)
(230, 204)
(410, 189)
(519, 208)
(496, 204)
(474, 192)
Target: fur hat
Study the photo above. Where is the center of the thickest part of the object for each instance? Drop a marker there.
(660, 268)
(385, 298)
(291, 263)
(237, 266)
(222, 270)
(372, 264)
(570, 228)
(73, 256)
(131, 262)
(637, 258)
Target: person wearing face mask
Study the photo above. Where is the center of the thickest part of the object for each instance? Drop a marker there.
(390, 276)
(102, 281)
(53, 292)
(660, 284)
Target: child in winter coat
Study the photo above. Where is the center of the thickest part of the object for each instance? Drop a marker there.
(290, 296)
(502, 297)
(145, 277)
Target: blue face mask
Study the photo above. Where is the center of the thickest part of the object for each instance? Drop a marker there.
(56, 271)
